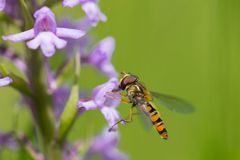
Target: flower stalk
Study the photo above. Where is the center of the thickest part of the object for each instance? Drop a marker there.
(70, 112)
(41, 99)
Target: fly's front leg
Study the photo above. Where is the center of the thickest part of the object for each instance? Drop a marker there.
(125, 99)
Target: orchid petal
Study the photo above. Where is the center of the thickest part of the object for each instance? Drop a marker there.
(107, 46)
(89, 105)
(48, 49)
(35, 43)
(112, 116)
(69, 33)
(108, 69)
(59, 43)
(29, 34)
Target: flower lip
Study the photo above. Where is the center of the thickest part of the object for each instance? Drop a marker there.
(47, 41)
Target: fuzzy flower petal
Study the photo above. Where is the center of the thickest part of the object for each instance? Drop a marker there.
(70, 3)
(103, 51)
(70, 33)
(20, 36)
(2, 4)
(109, 70)
(90, 7)
(12, 8)
(88, 105)
(112, 116)
(101, 56)
(5, 81)
(7, 140)
(93, 13)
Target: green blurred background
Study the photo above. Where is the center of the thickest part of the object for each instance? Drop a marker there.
(187, 48)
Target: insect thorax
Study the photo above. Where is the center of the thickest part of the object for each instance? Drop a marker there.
(135, 94)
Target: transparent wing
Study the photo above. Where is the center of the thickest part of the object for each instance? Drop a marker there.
(173, 103)
(144, 119)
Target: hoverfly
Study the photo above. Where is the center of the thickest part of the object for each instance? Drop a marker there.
(134, 92)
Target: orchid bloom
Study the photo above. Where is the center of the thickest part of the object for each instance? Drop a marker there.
(45, 33)
(107, 105)
(105, 145)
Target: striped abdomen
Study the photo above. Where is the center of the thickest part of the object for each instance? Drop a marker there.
(154, 116)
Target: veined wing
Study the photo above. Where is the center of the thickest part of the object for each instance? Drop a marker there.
(173, 103)
(144, 118)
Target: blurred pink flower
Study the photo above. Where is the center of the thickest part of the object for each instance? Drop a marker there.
(2, 4)
(90, 7)
(5, 81)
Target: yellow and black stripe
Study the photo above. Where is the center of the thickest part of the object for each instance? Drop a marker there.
(154, 115)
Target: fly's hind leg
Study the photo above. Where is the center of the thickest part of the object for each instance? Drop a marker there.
(131, 114)
(127, 120)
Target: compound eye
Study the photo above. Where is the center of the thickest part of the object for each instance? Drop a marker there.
(128, 80)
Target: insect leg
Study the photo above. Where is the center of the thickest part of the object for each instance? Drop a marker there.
(125, 100)
(127, 120)
(131, 113)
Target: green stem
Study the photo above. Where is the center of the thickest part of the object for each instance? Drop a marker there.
(70, 112)
(41, 99)
(28, 19)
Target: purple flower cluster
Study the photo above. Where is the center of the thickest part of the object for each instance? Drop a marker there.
(105, 145)
(38, 93)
